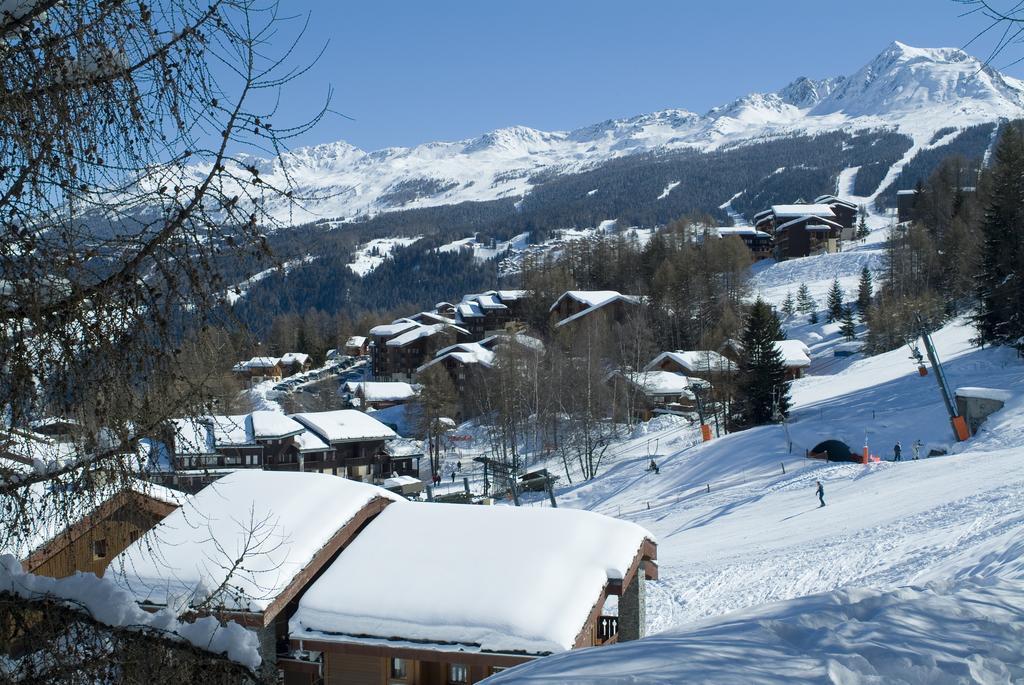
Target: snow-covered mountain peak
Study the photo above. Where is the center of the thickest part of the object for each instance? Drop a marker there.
(903, 79)
(518, 139)
(804, 92)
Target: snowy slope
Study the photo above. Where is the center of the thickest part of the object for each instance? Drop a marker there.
(758, 535)
(372, 254)
(914, 90)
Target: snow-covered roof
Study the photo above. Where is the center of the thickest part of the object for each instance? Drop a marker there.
(489, 301)
(809, 217)
(356, 341)
(725, 231)
(833, 200)
(803, 210)
(655, 383)
(985, 394)
(521, 339)
(404, 447)
(52, 517)
(33, 448)
(278, 519)
(231, 431)
(533, 597)
(389, 329)
(468, 310)
(294, 358)
(594, 300)
(399, 481)
(513, 295)
(261, 362)
(273, 424)
(694, 361)
(308, 441)
(420, 332)
(374, 391)
(464, 353)
(906, 192)
(344, 425)
(795, 354)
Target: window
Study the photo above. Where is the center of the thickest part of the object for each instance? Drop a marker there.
(99, 549)
(458, 674)
(399, 668)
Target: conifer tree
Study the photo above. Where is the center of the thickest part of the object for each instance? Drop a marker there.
(1000, 282)
(788, 305)
(865, 291)
(763, 391)
(814, 317)
(805, 304)
(835, 301)
(848, 329)
(862, 224)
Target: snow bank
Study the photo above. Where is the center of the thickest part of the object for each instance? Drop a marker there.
(985, 394)
(275, 521)
(115, 607)
(530, 592)
(967, 632)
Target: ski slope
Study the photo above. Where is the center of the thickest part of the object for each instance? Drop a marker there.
(735, 532)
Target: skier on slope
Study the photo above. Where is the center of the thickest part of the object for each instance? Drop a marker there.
(821, 494)
(897, 449)
(653, 467)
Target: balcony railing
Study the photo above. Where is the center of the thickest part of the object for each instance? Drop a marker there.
(607, 629)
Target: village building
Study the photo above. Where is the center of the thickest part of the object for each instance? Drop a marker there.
(295, 362)
(658, 392)
(405, 455)
(399, 348)
(367, 619)
(800, 230)
(357, 346)
(246, 548)
(378, 394)
(86, 531)
(760, 243)
(707, 365)
(381, 358)
(357, 440)
(259, 369)
(796, 356)
(906, 206)
(577, 305)
(845, 212)
(205, 449)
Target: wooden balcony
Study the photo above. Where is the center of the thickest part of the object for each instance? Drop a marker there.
(607, 630)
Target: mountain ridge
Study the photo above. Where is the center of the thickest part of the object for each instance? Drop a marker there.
(914, 91)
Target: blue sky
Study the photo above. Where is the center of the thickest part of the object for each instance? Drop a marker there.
(413, 72)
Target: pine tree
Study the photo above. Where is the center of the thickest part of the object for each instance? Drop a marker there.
(865, 291)
(835, 301)
(788, 305)
(805, 304)
(862, 224)
(848, 329)
(763, 391)
(1000, 282)
(814, 317)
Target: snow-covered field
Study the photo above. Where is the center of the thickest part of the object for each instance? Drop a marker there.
(758, 536)
(372, 254)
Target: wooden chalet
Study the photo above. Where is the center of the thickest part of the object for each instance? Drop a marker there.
(259, 369)
(399, 348)
(295, 362)
(760, 243)
(707, 365)
(379, 394)
(800, 230)
(205, 449)
(795, 355)
(291, 526)
(357, 346)
(576, 305)
(367, 619)
(84, 533)
(845, 212)
(356, 439)
(655, 392)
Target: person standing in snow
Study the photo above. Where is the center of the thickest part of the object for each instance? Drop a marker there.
(821, 494)
(453, 476)
(653, 467)
(897, 449)
(917, 449)
(458, 466)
